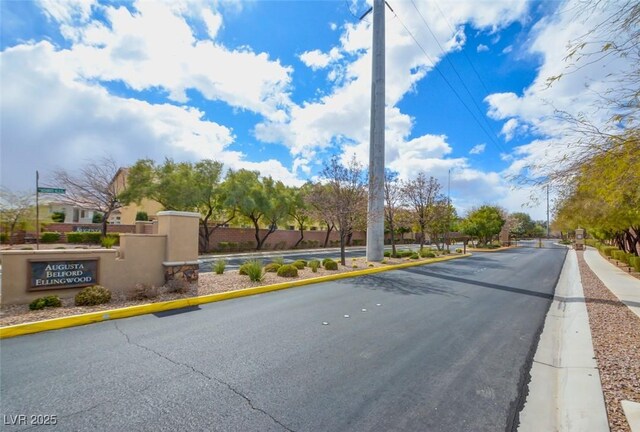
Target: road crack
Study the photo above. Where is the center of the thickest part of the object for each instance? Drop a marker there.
(204, 375)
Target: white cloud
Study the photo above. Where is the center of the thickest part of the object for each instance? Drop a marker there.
(482, 48)
(316, 59)
(509, 129)
(333, 26)
(70, 121)
(154, 47)
(478, 149)
(213, 22)
(507, 49)
(576, 93)
(341, 117)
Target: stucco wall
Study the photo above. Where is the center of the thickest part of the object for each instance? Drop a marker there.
(140, 259)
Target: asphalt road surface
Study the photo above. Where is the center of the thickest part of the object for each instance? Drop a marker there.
(443, 347)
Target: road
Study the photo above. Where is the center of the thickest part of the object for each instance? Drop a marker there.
(443, 347)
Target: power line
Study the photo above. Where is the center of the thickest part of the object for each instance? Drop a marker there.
(455, 70)
(463, 51)
(435, 66)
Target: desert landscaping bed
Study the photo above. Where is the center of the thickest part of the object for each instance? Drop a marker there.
(615, 331)
(208, 283)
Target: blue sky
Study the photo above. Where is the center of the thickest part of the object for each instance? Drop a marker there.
(280, 86)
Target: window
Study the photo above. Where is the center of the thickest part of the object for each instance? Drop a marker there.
(82, 214)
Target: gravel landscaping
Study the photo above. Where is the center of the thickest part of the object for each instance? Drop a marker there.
(208, 283)
(615, 331)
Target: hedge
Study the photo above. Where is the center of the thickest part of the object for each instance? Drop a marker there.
(50, 237)
(90, 237)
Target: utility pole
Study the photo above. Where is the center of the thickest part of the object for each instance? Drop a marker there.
(37, 210)
(375, 219)
(448, 209)
(548, 210)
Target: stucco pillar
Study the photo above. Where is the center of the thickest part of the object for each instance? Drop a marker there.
(181, 255)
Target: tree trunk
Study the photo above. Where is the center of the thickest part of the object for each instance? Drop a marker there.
(343, 259)
(301, 229)
(422, 240)
(257, 233)
(104, 223)
(326, 238)
(393, 238)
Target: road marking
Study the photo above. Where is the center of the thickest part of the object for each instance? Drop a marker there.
(346, 316)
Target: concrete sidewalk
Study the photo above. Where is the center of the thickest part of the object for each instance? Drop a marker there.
(565, 393)
(621, 284)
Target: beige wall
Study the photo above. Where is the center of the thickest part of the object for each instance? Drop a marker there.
(179, 228)
(141, 259)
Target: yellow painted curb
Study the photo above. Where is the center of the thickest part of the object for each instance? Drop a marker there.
(106, 315)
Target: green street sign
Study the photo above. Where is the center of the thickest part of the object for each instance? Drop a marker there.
(51, 190)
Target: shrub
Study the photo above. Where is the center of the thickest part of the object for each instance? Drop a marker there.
(458, 250)
(404, 254)
(50, 237)
(313, 265)
(387, 253)
(620, 256)
(4, 238)
(634, 262)
(58, 216)
(253, 269)
(93, 295)
(142, 216)
(278, 260)
(354, 266)
(97, 218)
(48, 301)
(288, 270)
(108, 242)
(428, 255)
(299, 264)
(330, 265)
(37, 304)
(92, 237)
(272, 267)
(74, 237)
(414, 255)
(219, 266)
(608, 250)
(325, 260)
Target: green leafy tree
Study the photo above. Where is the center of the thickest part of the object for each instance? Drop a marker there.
(183, 186)
(521, 225)
(261, 201)
(484, 223)
(299, 208)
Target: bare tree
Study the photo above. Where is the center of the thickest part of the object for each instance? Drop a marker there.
(392, 201)
(93, 188)
(421, 193)
(317, 199)
(347, 195)
(15, 210)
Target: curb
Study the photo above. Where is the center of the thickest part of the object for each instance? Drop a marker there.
(565, 391)
(126, 312)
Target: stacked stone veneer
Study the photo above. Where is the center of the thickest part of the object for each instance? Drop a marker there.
(181, 272)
